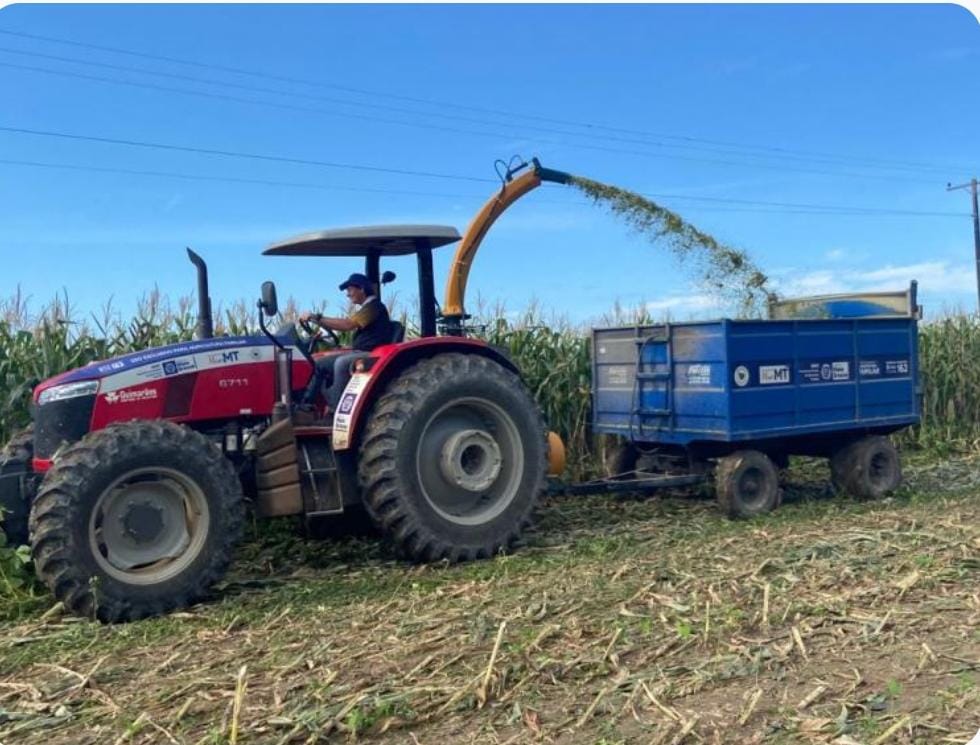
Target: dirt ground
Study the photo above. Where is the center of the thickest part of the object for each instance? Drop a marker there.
(623, 620)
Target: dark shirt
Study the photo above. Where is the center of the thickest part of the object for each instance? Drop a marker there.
(373, 325)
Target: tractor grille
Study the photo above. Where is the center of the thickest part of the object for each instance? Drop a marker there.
(61, 421)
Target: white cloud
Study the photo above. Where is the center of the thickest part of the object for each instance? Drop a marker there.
(935, 278)
(685, 305)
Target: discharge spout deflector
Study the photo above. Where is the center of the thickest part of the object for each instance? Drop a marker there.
(453, 313)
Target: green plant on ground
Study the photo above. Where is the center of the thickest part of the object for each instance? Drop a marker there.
(19, 589)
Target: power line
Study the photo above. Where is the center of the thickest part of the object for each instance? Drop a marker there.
(237, 154)
(781, 207)
(420, 125)
(230, 179)
(397, 109)
(510, 115)
(256, 102)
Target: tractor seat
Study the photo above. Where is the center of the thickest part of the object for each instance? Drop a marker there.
(397, 332)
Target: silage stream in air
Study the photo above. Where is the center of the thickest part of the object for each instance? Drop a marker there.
(725, 272)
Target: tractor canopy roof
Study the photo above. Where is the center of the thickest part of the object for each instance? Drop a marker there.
(378, 240)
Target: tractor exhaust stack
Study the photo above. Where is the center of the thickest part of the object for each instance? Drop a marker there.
(205, 326)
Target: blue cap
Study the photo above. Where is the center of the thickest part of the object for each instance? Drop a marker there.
(357, 280)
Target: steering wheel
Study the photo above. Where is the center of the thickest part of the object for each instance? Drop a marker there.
(315, 332)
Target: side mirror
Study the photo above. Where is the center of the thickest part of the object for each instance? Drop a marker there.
(268, 303)
(387, 277)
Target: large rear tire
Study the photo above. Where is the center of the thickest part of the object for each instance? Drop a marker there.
(453, 459)
(17, 486)
(136, 520)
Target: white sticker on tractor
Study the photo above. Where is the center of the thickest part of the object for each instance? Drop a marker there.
(348, 402)
(357, 383)
(180, 365)
(773, 374)
(341, 431)
(741, 376)
(128, 397)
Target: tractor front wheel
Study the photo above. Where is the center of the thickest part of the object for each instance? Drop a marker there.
(453, 459)
(136, 520)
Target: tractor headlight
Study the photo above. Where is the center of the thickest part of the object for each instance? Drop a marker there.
(68, 390)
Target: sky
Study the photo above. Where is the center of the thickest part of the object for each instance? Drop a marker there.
(818, 138)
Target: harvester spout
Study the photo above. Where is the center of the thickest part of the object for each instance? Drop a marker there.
(205, 326)
(453, 313)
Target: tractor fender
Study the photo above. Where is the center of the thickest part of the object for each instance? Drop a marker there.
(386, 363)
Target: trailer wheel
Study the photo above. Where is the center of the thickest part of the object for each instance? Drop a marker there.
(747, 484)
(453, 459)
(136, 520)
(619, 457)
(868, 468)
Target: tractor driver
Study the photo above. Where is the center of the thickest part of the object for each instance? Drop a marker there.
(372, 328)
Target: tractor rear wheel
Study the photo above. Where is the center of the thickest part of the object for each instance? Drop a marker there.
(136, 520)
(16, 485)
(453, 459)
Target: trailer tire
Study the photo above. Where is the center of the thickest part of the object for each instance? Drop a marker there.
(869, 468)
(619, 458)
(136, 520)
(17, 488)
(453, 459)
(747, 484)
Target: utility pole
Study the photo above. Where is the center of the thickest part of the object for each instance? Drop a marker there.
(976, 227)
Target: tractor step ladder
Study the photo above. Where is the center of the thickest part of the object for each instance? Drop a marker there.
(319, 478)
(277, 476)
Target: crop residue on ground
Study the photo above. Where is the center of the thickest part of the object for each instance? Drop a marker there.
(622, 621)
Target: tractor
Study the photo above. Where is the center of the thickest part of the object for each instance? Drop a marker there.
(133, 483)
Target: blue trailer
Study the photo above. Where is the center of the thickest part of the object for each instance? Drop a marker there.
(829, 376)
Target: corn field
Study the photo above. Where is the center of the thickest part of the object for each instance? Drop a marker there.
(552, 353)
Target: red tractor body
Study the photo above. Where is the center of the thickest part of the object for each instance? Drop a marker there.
(208, 383)
(139, 469)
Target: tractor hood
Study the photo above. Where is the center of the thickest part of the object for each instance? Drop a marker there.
(156, 362)
(195, 381)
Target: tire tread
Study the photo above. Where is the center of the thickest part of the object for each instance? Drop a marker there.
(56, 513)
(381, 483)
